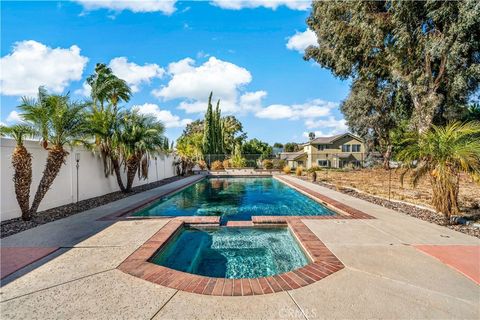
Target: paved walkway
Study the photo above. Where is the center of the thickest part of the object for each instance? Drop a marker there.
(386, 275)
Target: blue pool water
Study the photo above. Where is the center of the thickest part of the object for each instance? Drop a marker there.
(228, 252)
(236, 199)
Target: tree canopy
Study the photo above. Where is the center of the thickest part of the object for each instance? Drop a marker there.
(430, 47)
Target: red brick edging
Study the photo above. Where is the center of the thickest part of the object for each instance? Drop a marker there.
(345, 211)
(323, 263)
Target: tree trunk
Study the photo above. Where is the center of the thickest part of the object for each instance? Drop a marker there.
(425, 105)
(55, 160)
(118, 174)
(132, 167)
(386, 157)
(22, 179)
(445, 195)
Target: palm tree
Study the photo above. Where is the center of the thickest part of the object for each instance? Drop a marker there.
(107, 87)
(140, 135)
(22, 164)
(103, 124)
(60, 122)
(442, 154)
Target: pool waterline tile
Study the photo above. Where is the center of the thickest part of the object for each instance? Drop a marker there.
(323, 263)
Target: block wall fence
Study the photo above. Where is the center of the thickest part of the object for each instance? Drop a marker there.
(91, 179)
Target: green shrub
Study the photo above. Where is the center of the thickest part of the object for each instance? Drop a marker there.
(279, 164)
(267, 164)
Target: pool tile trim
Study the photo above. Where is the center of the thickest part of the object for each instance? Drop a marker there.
(322, 262)
(344, 211)
(126, 213)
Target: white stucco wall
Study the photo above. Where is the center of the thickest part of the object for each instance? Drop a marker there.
(91, 182)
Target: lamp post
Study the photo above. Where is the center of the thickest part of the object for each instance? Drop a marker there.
(77, 160)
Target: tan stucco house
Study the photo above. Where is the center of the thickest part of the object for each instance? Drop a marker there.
(339, 151)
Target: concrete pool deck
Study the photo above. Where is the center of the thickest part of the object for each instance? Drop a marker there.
(386, 275)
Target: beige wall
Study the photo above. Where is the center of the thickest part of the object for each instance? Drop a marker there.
(314, 154)
(92, 181)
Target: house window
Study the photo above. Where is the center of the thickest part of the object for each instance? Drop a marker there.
(322, 163)
(321, 147)
(345, 148)
(355, 148)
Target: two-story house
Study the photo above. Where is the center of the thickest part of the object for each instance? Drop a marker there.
(340, 151)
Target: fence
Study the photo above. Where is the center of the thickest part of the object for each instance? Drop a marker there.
(67, 188)
(252, 160)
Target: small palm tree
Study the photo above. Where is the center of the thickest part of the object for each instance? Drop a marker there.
(60, 122)
(442, 154)
(22, 165)
(140, 135)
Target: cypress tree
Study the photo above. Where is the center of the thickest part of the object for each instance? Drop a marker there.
(208, 128)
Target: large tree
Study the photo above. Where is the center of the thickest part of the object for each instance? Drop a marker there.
(372, 110)
(431, 47)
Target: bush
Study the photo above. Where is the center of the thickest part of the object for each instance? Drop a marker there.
(217, 165)
(299, 171)
(287, 169)
(279, 164)
(202, 164)
(238, 162)
(267, 164)
(227, 163)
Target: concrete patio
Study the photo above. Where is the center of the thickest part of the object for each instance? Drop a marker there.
(390, 271)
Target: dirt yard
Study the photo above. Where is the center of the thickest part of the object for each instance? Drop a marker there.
(376, 182)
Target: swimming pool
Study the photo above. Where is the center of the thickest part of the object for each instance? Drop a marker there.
(229, 252)
(237, 199)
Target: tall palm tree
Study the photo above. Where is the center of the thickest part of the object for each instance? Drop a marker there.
(64, 124)
(140, 135)
(22, 165)
(442, 154)
(103, 124)
(107, 87)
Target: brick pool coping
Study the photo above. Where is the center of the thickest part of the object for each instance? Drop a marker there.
(322, 262)
(345, 211)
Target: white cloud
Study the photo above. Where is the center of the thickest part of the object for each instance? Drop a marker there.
(85, 90)
(252, 101)
(135, 75)
(330, 122)
(275, 112)
(312, 109)
(301, 40)
(329, 126)
(32, 64)
(165, 116)
(270, 4)
(194, 83)
(14, 117)
(164, 6)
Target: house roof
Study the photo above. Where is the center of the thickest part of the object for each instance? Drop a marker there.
(291, 155)
(331, 139)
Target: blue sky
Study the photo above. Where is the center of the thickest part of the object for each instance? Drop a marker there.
(173, 54)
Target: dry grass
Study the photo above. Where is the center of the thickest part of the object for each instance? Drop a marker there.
(376, 182)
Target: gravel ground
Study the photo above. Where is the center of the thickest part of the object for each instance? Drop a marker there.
(16, 225)
(411, 210)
